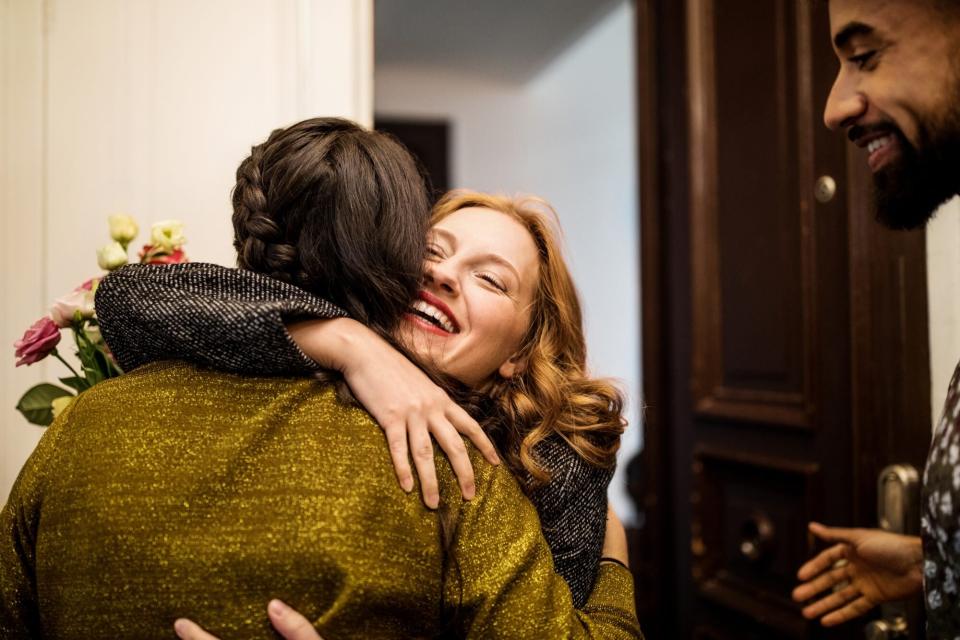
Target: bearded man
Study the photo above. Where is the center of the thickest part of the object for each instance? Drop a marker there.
(897, 96)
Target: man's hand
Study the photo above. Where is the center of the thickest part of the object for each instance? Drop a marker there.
(865, 568)
(290, 624)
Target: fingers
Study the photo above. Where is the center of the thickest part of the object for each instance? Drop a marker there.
(831, 602)
(452, 444)
(826, 580)
(835, 534)
(469, 428)
(290, 624)
(855, 609)
(189, 630)
(397, 442)
(422, 450)
(822, 562)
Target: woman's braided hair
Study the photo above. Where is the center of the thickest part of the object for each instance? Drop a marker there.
(337, 210)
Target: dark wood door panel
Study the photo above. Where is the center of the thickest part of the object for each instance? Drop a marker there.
(749, 531)
(751, 259)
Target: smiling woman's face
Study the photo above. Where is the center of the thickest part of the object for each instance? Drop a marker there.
(474, 309)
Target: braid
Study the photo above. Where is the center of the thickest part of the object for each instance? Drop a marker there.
(258, 238)
(337, 210)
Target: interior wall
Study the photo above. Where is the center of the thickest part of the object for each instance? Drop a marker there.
(147, 108)
(568, 135)
(943, 282)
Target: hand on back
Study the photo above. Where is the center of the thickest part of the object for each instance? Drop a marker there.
(288, 623)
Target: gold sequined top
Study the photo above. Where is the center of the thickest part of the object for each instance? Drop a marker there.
(177, 492)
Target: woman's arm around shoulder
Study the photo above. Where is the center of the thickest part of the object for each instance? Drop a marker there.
(228, 319)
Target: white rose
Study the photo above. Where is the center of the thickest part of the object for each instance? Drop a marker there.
(167, 235)
(123, 228)
(111, 256)
(73, 306)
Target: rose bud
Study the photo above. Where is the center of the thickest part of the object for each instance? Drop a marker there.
(111, 256)
(123, 228)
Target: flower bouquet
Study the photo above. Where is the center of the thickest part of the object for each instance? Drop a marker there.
(75, 311)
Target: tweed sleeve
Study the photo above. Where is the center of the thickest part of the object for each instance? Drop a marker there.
(573, 511)
(227, 319)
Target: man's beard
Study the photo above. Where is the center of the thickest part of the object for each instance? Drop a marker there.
(909, 191)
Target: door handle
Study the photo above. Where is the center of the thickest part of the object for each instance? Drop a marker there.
(898, 499)
(898, 511)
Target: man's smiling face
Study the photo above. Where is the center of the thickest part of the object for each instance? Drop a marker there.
(897, 95)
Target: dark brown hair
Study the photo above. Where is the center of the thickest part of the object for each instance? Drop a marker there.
(338, 210)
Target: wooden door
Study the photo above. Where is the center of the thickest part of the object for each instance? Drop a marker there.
(786, 359)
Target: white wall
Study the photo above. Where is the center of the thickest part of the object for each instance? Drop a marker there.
(943, 282)
(567, 135)
(147, 107)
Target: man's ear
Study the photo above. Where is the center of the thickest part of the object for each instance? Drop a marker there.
(515, 365)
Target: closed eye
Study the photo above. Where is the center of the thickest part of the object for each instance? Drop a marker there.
(494, 282)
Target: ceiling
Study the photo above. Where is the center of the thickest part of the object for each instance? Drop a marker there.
(507, 40)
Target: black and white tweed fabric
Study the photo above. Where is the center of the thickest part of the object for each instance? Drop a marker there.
(573, 514)
(227, 319)
(234, 320)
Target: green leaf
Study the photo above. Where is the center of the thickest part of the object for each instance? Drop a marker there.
(77, 383)
(92, 374)
(103, 365)
(36, 404)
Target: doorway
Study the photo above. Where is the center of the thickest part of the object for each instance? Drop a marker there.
(786, 333)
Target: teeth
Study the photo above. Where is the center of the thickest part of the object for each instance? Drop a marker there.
(428, 309)
(879, 143)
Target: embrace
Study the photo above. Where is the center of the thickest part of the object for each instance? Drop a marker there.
(247, 463)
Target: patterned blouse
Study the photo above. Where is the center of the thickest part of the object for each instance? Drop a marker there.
(940, 523)
(234, 321)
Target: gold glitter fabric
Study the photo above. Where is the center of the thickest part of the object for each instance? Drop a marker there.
(175, 491)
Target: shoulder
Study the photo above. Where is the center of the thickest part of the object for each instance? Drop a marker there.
(572, 479)
(493, 482)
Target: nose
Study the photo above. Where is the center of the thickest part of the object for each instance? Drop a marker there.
(442, 275)
(844, 105)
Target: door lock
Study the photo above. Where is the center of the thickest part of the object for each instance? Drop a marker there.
(825, 189)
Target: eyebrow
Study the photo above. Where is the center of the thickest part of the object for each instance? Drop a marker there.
(490, 257)
(850, 30)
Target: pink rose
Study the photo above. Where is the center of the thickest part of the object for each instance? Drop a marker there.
(151, 254)
(80, 301)
(37, 343)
